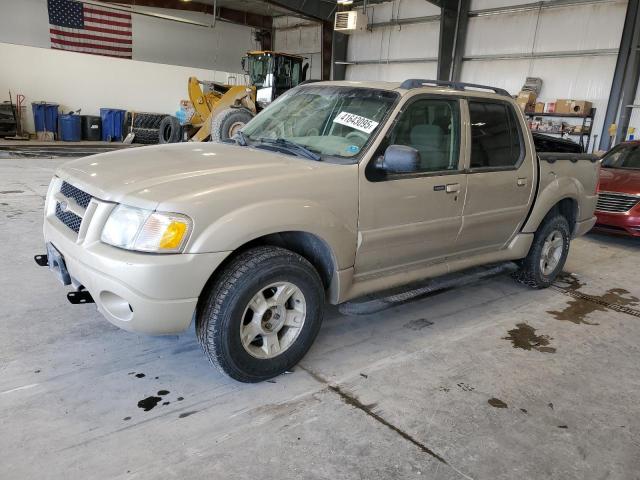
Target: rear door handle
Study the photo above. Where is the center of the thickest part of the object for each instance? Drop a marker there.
(453, 187)
(522, 182)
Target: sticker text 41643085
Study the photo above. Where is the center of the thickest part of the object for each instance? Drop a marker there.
(352, 120)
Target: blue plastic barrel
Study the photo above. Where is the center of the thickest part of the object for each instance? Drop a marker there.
(70, 128)
(112, 124)
(45, 116)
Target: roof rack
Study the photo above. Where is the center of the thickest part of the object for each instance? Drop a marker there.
(420, 82)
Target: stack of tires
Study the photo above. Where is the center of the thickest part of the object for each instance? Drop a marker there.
(145, 126)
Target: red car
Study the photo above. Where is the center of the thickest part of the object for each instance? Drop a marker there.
(618, 207)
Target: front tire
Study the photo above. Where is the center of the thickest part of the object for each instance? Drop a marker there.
(261, 315)
(547, 255)
(227, 123)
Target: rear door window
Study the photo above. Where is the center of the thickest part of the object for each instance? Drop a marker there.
(495, 136)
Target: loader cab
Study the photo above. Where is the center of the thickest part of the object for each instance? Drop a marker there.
(273, 74)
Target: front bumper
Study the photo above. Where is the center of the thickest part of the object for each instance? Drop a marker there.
(141, 292)
(627, 223)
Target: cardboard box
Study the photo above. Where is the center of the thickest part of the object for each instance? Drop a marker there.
(539, 107)
(528, 97)
(526, 107)
(526, 101)
(581, 107)
(564, 106)
(550, 107)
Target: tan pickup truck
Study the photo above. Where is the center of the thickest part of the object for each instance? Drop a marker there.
(336, 190)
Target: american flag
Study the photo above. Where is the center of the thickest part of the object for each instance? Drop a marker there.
(88, 28)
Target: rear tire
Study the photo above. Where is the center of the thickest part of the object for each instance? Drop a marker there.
(170, 130)
(259, 318)
(547, 255)
(226, 123)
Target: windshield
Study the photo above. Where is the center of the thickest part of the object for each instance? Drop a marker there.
(328, 120)
(623, 156)
(259, 67)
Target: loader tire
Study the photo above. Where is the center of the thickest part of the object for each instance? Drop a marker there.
(225, 124)
(170, 130)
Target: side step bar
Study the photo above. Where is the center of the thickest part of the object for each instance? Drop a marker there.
(374, 303)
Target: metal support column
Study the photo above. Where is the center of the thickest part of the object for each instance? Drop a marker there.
(623, 77)
(453, 30)
(630, 85)
(326, 49)
(340, 42)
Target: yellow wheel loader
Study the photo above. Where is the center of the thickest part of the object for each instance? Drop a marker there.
(220, 110)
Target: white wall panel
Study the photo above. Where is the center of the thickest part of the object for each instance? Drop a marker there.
(302, 37)
(383, 12)
(570, 28)
(579, 78)
(14, 18)
(482, 4)
(90, 82)
(392, 72)
(391, 43)
(500, 34)
(584, 27)
(26, 22)
(413, 41)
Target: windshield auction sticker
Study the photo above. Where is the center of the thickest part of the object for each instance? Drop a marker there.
(356, 121)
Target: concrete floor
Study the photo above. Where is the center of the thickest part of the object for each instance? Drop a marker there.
(411, 392)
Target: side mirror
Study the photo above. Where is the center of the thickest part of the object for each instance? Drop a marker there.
(399, 159)
(243, 64)
(305, 68)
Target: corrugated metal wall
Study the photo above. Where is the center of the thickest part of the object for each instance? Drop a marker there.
(572, 48)
(300, 36)
(395, 52)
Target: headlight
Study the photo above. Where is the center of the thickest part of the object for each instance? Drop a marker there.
(146, 231)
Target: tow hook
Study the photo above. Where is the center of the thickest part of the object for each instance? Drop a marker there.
(79, 297)
(42, 260)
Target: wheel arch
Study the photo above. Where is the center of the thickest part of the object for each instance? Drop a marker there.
(561, 196)
(308, 245)
(568, 208)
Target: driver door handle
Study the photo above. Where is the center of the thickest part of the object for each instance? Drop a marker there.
(522, 182)
(453, 187)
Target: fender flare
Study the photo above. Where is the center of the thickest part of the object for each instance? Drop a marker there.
(556, 191)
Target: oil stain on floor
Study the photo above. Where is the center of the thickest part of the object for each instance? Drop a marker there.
(524, 336)
(496, 402)
(581, 305)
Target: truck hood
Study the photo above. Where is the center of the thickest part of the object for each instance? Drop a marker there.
(620, 180)
(147, 176)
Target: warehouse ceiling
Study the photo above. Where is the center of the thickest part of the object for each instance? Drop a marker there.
(259, 7)
(322, 10)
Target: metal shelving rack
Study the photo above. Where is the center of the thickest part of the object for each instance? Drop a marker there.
(585, 131)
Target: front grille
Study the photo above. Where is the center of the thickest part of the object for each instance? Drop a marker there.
(81, 198)
(616, 202)
(70, 219)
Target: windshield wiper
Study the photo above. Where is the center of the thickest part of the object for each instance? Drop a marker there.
(240, 138)
(292, 146)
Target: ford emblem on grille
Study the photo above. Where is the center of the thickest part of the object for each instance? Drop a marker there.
(63, 206)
